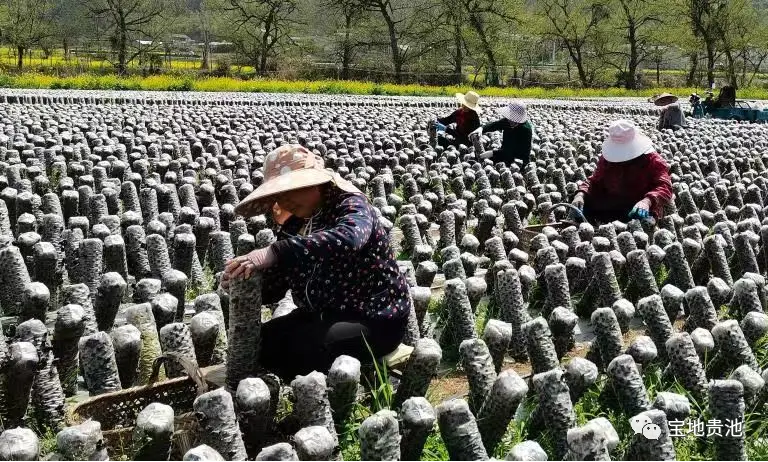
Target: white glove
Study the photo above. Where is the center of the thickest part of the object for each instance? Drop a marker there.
(486, 155)
(477, 132)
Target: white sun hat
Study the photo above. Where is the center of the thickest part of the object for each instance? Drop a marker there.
(625, 142)
(470, 100)
(515, 112)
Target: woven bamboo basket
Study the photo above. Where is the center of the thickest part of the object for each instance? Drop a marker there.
(117, 411)
(532, 230)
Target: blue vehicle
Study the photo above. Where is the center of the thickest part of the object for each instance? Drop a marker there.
(727, 107)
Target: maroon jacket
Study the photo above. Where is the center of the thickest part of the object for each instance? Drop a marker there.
(614, 188)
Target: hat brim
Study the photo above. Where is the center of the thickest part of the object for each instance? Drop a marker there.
(622, 152)
(665, 100)
(263, 198)
(461, 98)
(507, 114)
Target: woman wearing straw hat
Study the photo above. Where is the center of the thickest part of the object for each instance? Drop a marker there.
(517, 135)
(671, 116)
(631, 179)
(465, 117)
(333, 253)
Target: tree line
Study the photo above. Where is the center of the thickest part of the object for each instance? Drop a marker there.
(590, 38)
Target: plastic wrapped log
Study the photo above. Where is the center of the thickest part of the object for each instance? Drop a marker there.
(37, 301)
(460, 325)
(164, 309)
(628, 384)
(221, 250)
(541, 348)
(315, 443)
(13, 278)
(642, 277)
(47, 268)
(411, 233)
(425, 273)
(312, 406)
(19, 444)
(47, 394)
(142, 318)
(159, 260)
(253, 413)
(733, 350)
(674, 406)
(557, 293)
(604, 279)
(419, 371)
(136, 250)
(478, 364)
(509, 294)
(684, 363)
(672, 298)
(216, 415)
(16, 383)
(527, 451)
(418, 420)
(204, 328)
(212, 303)
(184, 248)
(175, 283)
(176, 339)
(245, 329)
(493, 419)
(79, 294)
(679, 274)
(69, 327)
(147, 289)
(153, 433)
(562, 322)
(745, 298)
(701, 310)
(497, 336)
(726, 403)
(459, 431)
(580, 374)
(718, 261)
(421, 297)
(587, 443)
(82, 442)
(380, 437)
(555, 408)
(127, 343)
(91, 257)
(454, 269)
(4, 354)
(447, 229)
(652, 311)
(752, 382)
(645, 448)
(108, 298)
(115, 258)
(98, 363)
(279, 451)
(745, 255)
(755, 327)
(343, 380)
(719, 291)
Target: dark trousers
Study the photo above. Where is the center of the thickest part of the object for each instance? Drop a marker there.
(300, 342)
(509, 158)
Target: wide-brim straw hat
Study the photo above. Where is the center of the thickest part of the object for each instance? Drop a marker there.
(470, 100)
(665, 99)
(288, 168)
(515, 112)
(625, 142)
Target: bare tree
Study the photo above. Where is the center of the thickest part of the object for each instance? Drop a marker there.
(574, 23)
(25, 24)
(347, 44)
(129, 20)
(258, 27)
(483, 16)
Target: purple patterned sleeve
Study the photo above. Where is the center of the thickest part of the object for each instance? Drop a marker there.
(350, 233)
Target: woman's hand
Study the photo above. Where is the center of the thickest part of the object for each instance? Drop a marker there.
(245, 265)
(578, 201)
(641, 210)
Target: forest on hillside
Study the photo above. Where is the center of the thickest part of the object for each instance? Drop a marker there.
(628, 43)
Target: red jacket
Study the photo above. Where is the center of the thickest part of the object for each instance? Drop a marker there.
(614, 188)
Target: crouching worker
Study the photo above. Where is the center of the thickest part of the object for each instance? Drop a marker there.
(517, 135)
(334, 256)
(672, 115)
(460, 123)
(631, 179)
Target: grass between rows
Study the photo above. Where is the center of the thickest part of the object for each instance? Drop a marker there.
(181, 82)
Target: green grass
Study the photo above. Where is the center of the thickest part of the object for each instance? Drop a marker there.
(209, 284)
(193, 82)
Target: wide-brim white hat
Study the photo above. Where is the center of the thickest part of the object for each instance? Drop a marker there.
(470, 100)
(515, 112)
(625, 142)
